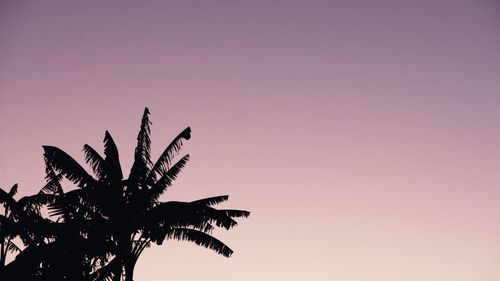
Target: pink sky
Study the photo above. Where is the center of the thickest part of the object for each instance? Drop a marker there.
(363, 136)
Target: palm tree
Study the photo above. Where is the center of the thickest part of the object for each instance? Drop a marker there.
(127, 212)
(22, 219)
(7, 225)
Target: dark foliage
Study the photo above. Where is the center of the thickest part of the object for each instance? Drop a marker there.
(98, 230)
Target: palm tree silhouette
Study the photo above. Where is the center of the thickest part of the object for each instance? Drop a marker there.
(7, 225)
(126, 215)
(22, 219)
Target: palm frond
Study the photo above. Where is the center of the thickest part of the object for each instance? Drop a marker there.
(112, 159)
(142, 155)
(174, 214)
(212, 200)
(34, 202)
(13, 190)
(165, 159)
(236, 213)
(53, 185)
(65, 164)
(95, 160)
(200, 239)
(7, 199)
(166, 180)
(27, 205)
(73, 203)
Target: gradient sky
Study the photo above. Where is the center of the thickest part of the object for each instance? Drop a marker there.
(364, 136)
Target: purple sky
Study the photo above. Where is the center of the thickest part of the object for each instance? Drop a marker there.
(363, 135)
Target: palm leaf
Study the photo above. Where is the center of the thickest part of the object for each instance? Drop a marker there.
(53, 185)
(142, 155)
(71, 204)
(236, 213)
(7, 199)
(112, 160)
(13, 190)
(199, 238)
(33, 203)
(174, 214)
(61, 162)
(95, 160)
(212, 200)
(165, 159)
(166, 180)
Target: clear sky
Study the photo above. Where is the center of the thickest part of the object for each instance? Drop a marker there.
(364, 136)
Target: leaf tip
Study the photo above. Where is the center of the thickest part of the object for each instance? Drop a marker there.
(186, 134)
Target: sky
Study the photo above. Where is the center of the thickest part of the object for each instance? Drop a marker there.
(364, 136)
